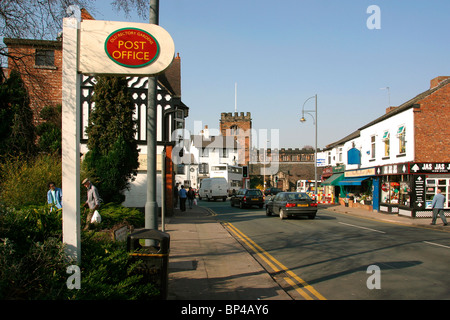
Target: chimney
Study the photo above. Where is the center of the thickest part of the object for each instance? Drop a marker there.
(436, 81)
(390, 109)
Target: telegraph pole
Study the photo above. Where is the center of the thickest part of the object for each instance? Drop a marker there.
(151, 206)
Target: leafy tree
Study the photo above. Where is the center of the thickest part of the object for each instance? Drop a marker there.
(113, 153)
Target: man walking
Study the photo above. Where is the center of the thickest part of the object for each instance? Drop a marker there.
(438, 207)
(93, 201)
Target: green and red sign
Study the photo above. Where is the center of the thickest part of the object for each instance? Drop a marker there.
(132, 47)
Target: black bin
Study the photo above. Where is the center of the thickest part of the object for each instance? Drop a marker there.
(155, 266)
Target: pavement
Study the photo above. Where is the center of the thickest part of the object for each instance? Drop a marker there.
(207, 263)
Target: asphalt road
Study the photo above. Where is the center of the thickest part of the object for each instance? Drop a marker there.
(336, 256)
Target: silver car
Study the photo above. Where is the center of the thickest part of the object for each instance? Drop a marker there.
(287, 204)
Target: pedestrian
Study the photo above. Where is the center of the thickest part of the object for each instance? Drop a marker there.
(175, 196)
(183, 197)
(54, 195)
(438, 207)
(93, 201)
(190, 197)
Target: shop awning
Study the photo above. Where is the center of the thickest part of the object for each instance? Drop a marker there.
(333, 180)
(352, 181)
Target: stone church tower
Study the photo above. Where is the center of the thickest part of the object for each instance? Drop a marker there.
(239, 126)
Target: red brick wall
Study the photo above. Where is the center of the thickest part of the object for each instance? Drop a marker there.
(432, 127)
(44, 84)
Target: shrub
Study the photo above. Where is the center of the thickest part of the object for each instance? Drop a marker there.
(25, 182)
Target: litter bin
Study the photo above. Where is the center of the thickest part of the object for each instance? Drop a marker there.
(155, 266)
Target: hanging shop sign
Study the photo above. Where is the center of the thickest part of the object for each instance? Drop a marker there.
(428, 168)
(122, 48)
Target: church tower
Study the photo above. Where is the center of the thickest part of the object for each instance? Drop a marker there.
(239, 126)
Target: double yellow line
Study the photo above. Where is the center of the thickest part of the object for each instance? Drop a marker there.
(300, 285)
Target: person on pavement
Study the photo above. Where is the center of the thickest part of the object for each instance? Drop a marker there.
(438, 207)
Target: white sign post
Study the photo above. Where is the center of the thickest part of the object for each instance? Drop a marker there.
(71, 139)
(99, 47)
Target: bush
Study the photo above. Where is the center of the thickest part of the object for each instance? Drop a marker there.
(25, 182)
(113, 214)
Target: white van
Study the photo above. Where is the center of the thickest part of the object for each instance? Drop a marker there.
(213, 188)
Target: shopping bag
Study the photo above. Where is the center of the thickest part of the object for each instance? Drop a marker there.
(96, 218)
(195, 202)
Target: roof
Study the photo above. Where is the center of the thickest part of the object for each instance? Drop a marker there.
(214, 142)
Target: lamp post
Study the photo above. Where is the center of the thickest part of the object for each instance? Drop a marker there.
(315, 149)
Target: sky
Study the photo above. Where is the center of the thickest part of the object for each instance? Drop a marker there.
(281, 53)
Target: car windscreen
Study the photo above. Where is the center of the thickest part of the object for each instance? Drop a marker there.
(297, 196)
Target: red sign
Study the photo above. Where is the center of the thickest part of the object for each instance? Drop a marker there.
(132, 48)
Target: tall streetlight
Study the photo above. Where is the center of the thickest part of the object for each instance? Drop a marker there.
(315, 149)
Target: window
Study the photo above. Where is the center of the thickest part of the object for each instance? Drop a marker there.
(224, 153)
(431, 189)
(386, 139)
(45, 58)
(401, 139)
(340, 155)
(372, 148)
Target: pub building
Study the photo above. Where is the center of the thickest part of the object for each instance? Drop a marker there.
(408, 189)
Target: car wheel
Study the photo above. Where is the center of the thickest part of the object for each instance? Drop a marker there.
(311, 216)
(282, 214)
(268, 212)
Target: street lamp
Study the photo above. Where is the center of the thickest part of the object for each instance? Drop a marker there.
(315, 149)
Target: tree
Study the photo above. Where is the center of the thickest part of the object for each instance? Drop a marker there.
(113, 153)
(20, 136)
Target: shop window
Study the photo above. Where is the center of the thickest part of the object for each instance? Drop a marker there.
(386, 140)
(401, 139)
(396, 190)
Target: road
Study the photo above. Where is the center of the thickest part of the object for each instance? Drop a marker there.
(337, 256)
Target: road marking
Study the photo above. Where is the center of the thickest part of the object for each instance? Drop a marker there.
(437, 244)
(276, 265)
(352, 225)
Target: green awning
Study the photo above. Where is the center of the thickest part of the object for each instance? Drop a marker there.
(334, 180)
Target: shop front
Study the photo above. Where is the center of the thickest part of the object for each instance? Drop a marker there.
(408, 189)
(331, 186)
(428, 177)
(358, 186)
(396, 187)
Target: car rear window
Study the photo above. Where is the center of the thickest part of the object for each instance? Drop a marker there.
(254, 193)
(297, 196)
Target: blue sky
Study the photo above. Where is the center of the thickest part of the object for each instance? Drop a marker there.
(280, 53)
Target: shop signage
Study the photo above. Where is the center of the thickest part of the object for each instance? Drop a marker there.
(123, 48)
(419, 192)
(339, 169)
(393, 169)
(131, 47)
(424, 168)
(360, 173)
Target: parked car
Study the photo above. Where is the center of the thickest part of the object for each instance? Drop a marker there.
(247, 198)
(213, 188)
(271, 191)
(287, 204)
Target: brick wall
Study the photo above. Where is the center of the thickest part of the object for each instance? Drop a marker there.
(44, 84)
(432, 125)
(244, 123)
